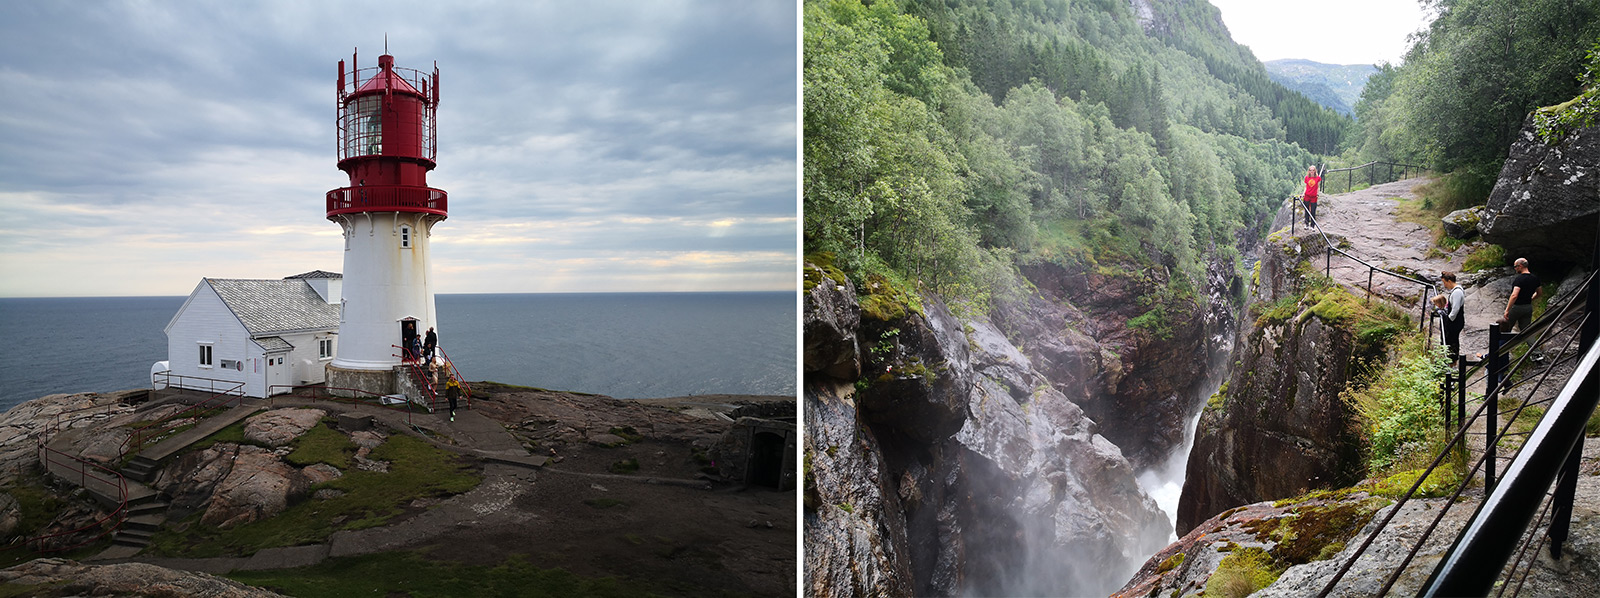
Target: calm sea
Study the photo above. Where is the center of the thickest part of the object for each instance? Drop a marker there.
(626, 345)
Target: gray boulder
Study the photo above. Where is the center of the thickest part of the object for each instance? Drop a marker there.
(1545, 204)
(1463, 224)
(281, 426)
(61, 577)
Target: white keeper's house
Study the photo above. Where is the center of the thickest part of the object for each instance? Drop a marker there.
(270, 334)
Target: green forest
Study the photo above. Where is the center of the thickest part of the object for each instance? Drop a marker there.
(1467, 83)
(947, 141)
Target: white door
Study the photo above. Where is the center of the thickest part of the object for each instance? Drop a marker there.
(278, 378)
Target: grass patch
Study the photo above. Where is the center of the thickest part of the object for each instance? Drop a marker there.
(627, 433)
(1441, 482)
(1242, 573)
(417, 576)
(322, 444)
(1489, 256)
(234, 433)
(417, 470)
(625, 466)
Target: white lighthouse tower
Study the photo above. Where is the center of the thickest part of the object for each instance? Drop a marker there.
(387, 145)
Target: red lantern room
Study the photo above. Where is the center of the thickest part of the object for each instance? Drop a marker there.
(386, 140)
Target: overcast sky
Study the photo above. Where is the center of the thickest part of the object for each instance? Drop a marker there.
(586, 146)
(1327, 31)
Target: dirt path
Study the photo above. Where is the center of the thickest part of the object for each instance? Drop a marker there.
(1367, 219)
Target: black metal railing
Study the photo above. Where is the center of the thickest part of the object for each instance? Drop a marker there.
(1371, 175)
(1298, 206)
(1563, 336)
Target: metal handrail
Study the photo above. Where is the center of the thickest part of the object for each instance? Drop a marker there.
(1536, 335)
(455, 374)
(292, 390)
(83, 466)
(137, 437)
(1349, 179)
(1427, 286)
(414, 363)
(387, 198)
(117, 516)
(1474, 561)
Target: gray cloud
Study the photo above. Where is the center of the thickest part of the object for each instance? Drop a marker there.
(195, 139)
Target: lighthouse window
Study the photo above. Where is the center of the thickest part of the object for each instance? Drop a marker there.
(405, 236)
(364, 127)
(205, 356)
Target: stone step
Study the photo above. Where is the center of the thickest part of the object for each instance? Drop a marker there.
(135, 534)
(147, 523)
(148, 508)
(122, 540)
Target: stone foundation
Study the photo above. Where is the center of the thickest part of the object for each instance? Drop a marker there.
(377, 382)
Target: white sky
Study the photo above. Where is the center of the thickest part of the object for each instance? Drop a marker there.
(586, 146)
(1327, 31)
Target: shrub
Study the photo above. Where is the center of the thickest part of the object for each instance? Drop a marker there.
(1400, 408)
(1490, 256)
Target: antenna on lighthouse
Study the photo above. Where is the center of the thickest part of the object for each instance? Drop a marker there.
(385, 43)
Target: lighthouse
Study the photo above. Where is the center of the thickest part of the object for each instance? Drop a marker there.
(387, 143)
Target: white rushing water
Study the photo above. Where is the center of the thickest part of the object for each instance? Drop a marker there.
(1164, 483)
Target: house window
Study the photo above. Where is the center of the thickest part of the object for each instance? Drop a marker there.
(405, 236)
(205, 356)
(325, 348)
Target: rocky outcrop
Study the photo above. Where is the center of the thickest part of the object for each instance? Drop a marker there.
(830, 329)
(1278, 428)
(259, 485)
(1463, 224)
(917, 373)
(956, 466)
(1543, 206)
(1132, 360)
(61, 577)
(279, 427)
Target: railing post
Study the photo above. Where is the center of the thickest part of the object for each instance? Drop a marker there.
(1444, 399)
(1369, 286)
(1492, 408)
(1461, 391)
(1327, 267)
(1567, 482)
(1294, 215)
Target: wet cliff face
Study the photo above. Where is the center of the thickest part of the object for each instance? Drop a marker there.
(955, 463)
(1278, 428)
(1138, 383)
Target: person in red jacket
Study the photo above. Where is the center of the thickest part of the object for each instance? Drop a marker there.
(1312, 181)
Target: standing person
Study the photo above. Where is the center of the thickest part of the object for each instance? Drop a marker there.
(414, 348)
(1312, 182)
(1524, 289)
(429, 343)
(1454, 314)
(452, 391)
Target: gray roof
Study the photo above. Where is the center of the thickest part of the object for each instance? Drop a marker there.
(274, 344)
(315, 274)
(266, 307)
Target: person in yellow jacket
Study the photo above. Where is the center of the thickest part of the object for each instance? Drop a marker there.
(452, 391)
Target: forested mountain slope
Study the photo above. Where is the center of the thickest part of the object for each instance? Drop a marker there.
(1337, 86)
(945, 140)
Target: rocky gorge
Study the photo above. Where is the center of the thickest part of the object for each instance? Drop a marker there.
(997, 454)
